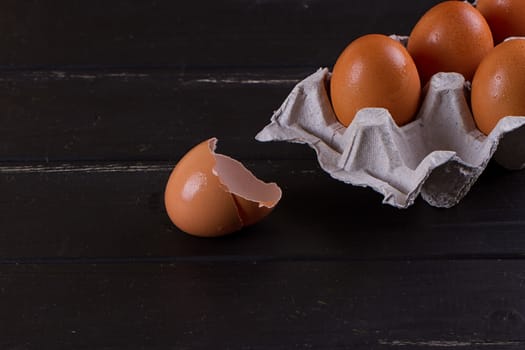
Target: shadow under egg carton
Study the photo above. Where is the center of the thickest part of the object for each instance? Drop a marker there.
(439, 155)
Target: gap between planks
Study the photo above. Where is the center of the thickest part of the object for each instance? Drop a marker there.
(182, 77)
(257, 259)
(21, 167)
(85, 168)
(450, 343)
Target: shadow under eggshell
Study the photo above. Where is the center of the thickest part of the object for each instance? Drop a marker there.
(439, 155)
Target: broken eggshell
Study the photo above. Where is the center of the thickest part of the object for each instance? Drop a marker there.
(210, 194)
(439, 155)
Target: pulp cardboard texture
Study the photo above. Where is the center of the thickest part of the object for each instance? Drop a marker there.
(440, 154)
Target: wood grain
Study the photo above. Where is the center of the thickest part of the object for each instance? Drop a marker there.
(167, 33)
(140, 115)
(100, 99)
(300, 305)
(114, 211)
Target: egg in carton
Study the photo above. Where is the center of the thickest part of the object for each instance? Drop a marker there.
(439, 155)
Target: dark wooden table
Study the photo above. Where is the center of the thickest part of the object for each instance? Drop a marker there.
(99, 101)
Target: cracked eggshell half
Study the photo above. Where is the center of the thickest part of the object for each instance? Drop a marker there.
(211, 195)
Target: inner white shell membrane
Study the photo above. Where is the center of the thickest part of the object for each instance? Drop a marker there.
(238, 180)
(440, 154)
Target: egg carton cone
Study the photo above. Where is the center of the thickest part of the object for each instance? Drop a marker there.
(439, 155)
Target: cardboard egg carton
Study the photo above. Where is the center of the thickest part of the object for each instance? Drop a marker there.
(439, 155)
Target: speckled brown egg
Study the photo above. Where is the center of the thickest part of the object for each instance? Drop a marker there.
(375, 71)
(450, 37)
(209, 194)
(498, 88)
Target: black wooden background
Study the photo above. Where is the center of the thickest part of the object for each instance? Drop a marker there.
(99, 101)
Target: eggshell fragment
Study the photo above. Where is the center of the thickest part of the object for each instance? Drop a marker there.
(210, 194)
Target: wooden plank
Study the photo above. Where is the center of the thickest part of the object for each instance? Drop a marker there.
(140, 115)
(116, 211)
(306, 305)
(195, 33)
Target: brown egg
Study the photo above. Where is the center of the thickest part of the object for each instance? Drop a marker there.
(375, 71)
(451, 37)
(498, 88)
(210, 194)
(505, 17)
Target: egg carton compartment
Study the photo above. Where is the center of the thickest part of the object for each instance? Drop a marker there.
(440, 154)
